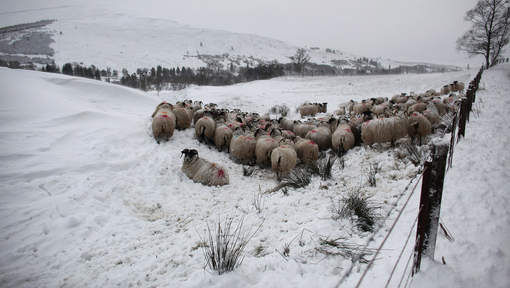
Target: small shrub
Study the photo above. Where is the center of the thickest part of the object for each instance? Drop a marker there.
(373, 170)
(224, 251)
(248, 171)
(355, 204)
(323, 167)
(297, 178)
(414, 154)
(258, 201)
(347, 250)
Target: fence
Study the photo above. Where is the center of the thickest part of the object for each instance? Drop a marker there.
(427, 219)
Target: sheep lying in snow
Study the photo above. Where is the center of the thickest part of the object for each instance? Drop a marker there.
(283, 160)
(202, 171)
(163, 122)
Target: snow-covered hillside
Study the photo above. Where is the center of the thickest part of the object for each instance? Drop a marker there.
(87, 198)
(111, 39)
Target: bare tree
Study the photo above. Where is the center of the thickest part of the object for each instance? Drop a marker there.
(300, 59)
(489, 33)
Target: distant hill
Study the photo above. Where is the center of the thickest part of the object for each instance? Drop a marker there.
(120, 41)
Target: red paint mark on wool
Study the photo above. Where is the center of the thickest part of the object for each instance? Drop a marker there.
(348, 130)
(313, 131)
(221, 173)
(164, 116)
(311, 142)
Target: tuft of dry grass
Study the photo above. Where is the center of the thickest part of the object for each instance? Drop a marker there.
(224, 251)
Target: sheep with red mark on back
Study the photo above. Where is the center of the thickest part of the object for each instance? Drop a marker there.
(202, 171)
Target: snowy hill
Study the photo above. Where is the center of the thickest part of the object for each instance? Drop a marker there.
(87, 198)
(108, 39)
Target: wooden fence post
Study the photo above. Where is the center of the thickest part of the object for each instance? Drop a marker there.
(462, 119)
(430, 205)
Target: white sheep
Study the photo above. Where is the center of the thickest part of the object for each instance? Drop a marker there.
(263, 149)
(307, 150)
(383, 130)
(342, 139)
(163, 122)
(204, 129)
(183, 117)
(419, 126)
(283, 160)
(242, 147)
(202, 171)
(320, 135)
(222, 137)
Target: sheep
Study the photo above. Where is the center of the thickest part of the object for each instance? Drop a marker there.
(242, 148)
(445, 90)
(183, 118)
(287, 134)
(362, 107)
(380, 109)
(286, 124)
(163, 122)
(204, 129)
(222, 137)
(321, 136)
(441, 107)
(342, 139)
(301, 129)
(432, 115)
(202, 171)
(418, 126)
(308, 109)
(418, 107)
(307, 150)
(283, 160)
(263, 149)
(457, 86)
(383, 130)
(380, 100)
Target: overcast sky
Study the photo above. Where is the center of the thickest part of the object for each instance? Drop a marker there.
(418, 30)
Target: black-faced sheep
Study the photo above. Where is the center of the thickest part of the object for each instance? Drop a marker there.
(202, 171)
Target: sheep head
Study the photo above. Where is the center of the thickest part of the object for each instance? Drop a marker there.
(189, 154)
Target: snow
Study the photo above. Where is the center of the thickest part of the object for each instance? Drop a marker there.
(100, 35)
(88, 199)
(475, 198)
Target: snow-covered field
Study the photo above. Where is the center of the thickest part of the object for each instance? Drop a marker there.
(88, 199)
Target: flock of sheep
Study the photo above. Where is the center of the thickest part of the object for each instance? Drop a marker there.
(283, 143)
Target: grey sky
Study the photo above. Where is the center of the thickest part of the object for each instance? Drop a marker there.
(418, 30)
